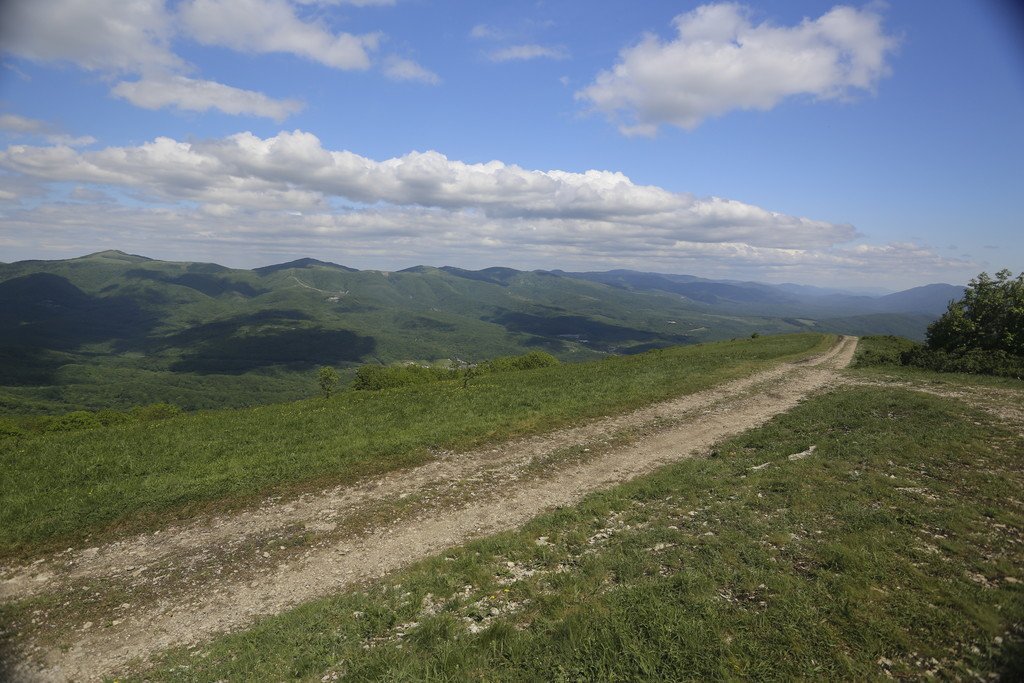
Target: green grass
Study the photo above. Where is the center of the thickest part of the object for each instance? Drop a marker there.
(60, 488)
(878, 356)
(887, 551)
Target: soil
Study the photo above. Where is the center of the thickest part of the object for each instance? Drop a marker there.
(90, 613)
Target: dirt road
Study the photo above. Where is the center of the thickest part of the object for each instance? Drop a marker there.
(100, 608)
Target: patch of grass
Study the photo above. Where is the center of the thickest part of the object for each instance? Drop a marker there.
(880, 356)
(59, 488)
(893, 549)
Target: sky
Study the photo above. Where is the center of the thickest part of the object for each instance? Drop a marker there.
(872, 145)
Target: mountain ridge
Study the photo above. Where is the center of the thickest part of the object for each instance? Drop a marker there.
(114, 329)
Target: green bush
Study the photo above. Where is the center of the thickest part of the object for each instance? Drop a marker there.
(80, 419)
(889, 350)
(374, 377)
(327, 378)
(975, 361)
(529, 361)
(112, 417)
(990, 317)
(155, 411)
(9, 428)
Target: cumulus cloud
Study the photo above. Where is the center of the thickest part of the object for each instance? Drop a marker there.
(200, 95)
(401, 69)
(119, 38)
(292, 170)
(288, 194)
(527, 52)
(261, 26)
(720, 60)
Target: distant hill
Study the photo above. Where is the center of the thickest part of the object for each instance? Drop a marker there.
(929, 299)
(784, 299)
(114, 329)
(300, 263)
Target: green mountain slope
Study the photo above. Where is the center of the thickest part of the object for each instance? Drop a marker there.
(112, 329)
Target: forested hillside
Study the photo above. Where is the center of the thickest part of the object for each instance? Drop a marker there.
(116, 330)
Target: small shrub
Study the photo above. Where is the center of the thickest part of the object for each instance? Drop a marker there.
(155, 411)
(79, 419)
(8, 428)
(327, 378)
(112, 417)
(529, 361)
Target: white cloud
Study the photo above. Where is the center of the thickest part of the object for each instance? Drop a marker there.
(118, 37)
(484, 32)
(526, 52)
(108, 35)
(245, 196)
(262, 26)
(720, 61)
(199, 95)
(292, 170)
(401, 69)
(22, 124)
(25, 126)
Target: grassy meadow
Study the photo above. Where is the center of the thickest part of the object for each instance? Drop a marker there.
(878, 357)
(62, 488)
(892, 550)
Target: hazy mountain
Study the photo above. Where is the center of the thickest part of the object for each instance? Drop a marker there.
(785, 299)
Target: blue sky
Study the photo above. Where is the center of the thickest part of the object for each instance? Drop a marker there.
(863, 144)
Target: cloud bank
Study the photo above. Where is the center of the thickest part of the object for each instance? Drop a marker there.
(292, 170)
(720, 60)
(288, 194)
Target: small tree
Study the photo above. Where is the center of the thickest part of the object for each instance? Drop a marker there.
(327, 378)
(990, 317)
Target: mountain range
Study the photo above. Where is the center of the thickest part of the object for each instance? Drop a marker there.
(112, 329)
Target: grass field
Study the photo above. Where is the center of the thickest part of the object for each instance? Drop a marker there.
(894, 549)
(877, 356)
(60, 488)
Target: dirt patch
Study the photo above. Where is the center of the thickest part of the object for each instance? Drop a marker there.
(185, 584)
(1003, 404)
